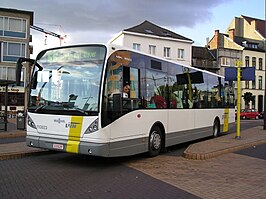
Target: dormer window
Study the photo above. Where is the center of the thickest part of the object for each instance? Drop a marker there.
(254, 46)
(149, 31)
(166, 34)
(250, 45)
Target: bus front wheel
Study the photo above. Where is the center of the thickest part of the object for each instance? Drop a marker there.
(155, 141)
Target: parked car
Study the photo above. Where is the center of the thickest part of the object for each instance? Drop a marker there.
(249, 114)
(261, 116)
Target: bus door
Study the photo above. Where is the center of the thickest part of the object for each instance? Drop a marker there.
(131, 100)
(116, 103)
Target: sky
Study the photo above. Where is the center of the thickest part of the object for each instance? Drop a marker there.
(97, 21)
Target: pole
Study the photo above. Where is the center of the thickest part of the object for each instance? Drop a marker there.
(6, 101)
(264, 108)
(264, 116)
(238, 100)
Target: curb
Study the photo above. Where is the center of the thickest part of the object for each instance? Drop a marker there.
(12, 135)
(9, 156)
(204, 156)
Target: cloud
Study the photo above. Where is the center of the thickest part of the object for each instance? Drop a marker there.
(115, 15)
(97, 21)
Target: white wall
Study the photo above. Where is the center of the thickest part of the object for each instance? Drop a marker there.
(127, 40)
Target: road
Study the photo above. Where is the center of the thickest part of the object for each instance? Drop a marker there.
(61, 175)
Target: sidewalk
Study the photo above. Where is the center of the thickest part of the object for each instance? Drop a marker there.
(198, 151)
(226, 144)
(17, 149)
(12, 130)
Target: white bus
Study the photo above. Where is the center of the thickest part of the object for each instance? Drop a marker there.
(76, 103)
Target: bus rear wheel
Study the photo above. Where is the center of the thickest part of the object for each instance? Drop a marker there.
(216, 128)
(155, 141)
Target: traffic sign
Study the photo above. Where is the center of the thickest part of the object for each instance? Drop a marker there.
(247, 74)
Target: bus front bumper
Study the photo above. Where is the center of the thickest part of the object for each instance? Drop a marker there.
(86, 148)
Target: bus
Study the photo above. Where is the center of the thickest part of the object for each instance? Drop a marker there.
(76, 103)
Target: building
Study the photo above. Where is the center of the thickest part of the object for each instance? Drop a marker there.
(248, 27)
(204, 59)
(250, 34)
(14, 43)
(244, 40)
(226, 51)
(152, 39)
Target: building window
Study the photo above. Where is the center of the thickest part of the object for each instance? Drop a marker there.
(14, 99)
(181, 54)
(136, 46)
(13, 27)
(253, 45)
(7, 73)
(225, 61)
(17, 25)
(166, 52)
(260, 82)
(247, 61)
(254, 84)
(152, 49)
(12, 51)
(254, 103)
(247, 84)
(260, 64)
(1, 25)
(254, 62)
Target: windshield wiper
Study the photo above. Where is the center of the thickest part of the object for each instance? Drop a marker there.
(80, 110)
(41, 107)
(71, 108)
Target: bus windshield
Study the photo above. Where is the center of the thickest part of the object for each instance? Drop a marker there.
(69, 82)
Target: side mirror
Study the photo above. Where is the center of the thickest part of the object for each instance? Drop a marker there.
(19, 67)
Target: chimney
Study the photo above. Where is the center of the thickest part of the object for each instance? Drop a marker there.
(207, 42)
(253, 24)
(217, 38)
(232, 34)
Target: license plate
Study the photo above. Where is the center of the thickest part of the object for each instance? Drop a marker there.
(58, 146)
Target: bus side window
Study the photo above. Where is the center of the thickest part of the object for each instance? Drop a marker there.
(131, 77)
(156, 92)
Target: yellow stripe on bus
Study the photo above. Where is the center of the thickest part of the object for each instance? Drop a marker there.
(74, 134)
(226, 119)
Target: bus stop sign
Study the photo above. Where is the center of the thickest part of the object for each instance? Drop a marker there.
(247, 74)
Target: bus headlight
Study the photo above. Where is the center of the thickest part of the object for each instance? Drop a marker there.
(93, 127)
(31, 123)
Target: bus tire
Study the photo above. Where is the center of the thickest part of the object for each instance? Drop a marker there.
(155, 141)
(216, 128)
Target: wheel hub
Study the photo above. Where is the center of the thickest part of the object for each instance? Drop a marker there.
(155, 140)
